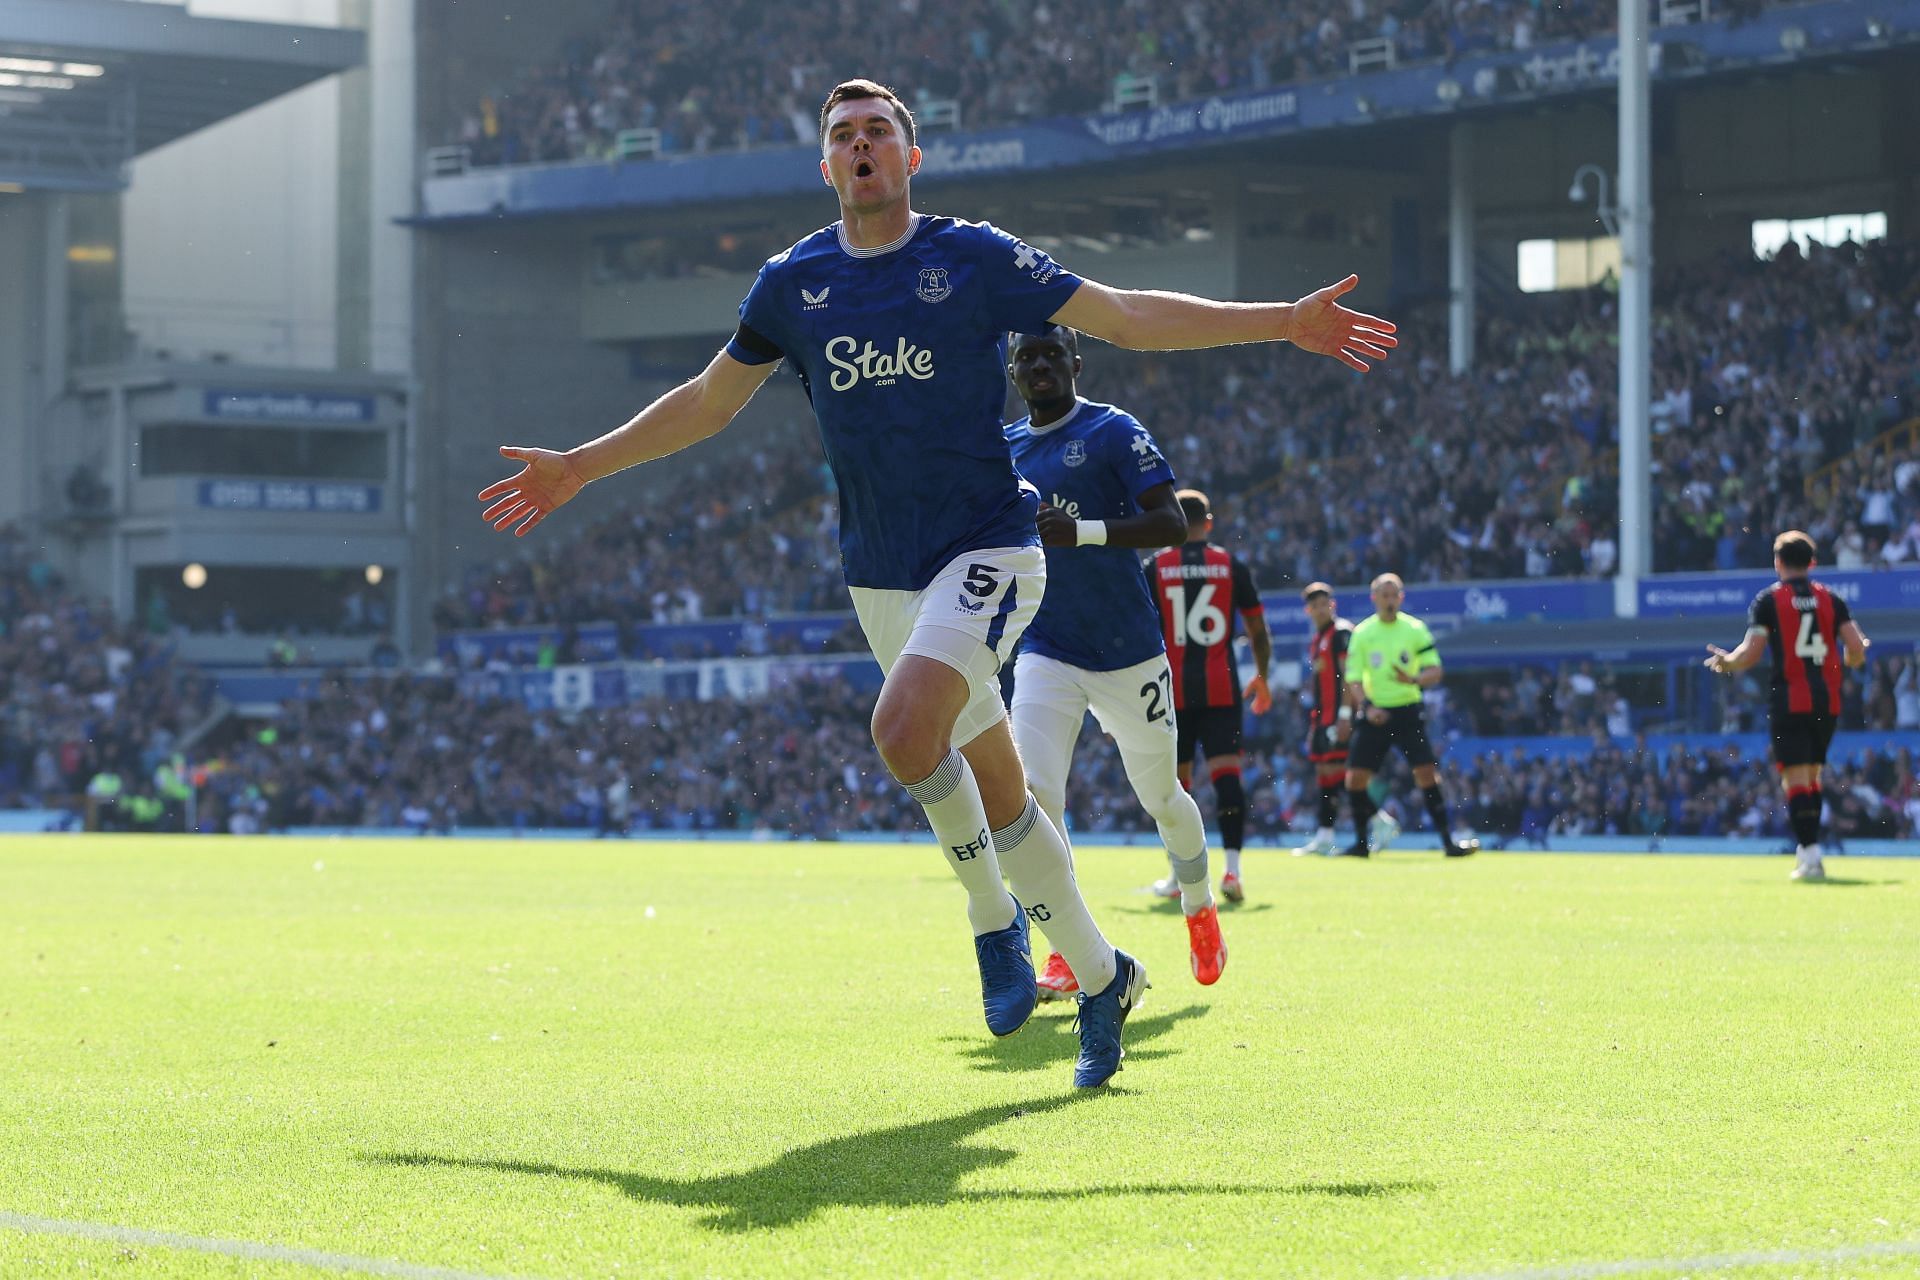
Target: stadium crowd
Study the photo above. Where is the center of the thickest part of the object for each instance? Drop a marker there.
(722, 74)
(83, 699)
(82, 695)
(1768, 372)
(415, 751)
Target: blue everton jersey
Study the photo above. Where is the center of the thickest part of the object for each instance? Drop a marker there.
(1098, 613)
(902, 351)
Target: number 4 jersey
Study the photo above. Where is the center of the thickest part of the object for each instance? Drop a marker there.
(1802, 621)
(1199, 589)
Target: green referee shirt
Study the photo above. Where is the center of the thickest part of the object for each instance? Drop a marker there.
(1377, 649)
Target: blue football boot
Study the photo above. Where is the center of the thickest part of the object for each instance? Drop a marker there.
(1006, 974)
(1100, 1019)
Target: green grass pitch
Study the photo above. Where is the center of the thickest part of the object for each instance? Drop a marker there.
(566, 1059)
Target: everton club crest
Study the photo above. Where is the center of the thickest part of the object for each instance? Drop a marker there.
(1076, 453)
(933, 285)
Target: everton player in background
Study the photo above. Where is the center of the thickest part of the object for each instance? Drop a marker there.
(1105, 493)
(1803, 626)
(895, 322)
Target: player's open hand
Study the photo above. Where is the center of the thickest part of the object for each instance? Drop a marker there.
(1321, 325)
(1402, 676)
(1717, 660)
(1259, 697)
(1057, 528)
(547, 480)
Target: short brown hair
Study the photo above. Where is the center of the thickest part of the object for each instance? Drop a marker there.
(1194, 503)
(1794, 549)
(853, 91)
(1315, 589)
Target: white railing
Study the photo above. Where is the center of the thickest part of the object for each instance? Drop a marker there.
(1370, 55)
(448, 162)
(1135, 91)
(631, 144)
(941, 113)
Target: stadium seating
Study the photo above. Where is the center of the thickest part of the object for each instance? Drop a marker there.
(1768, 373)
(738, 73)
(398, 750)
(79, 693)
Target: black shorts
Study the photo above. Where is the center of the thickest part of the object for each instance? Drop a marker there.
(1406, 728)
(1800, 739)
(1324, 748)
(1215, 729)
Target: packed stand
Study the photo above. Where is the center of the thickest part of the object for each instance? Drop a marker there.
(1767, 373)
(423, 752)
(727, 74)
(762, 541)
(417, 751)
(88, 706)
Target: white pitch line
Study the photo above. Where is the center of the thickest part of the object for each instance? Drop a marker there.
(1705, 1262)
(249, 1249)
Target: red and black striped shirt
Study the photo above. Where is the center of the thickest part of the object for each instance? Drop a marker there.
(1802, 619)
(1327, 660)
(1200, 589)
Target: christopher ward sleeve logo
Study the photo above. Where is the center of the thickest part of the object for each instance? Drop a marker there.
(873, 365)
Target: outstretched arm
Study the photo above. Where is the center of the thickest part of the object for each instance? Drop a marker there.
(686, 415)
(1855, 643)
(1150, 320)
(1745, 654)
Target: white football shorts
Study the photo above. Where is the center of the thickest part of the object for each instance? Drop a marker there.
(970, 617)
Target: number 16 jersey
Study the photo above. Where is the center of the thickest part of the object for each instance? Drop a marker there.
(1200, 589)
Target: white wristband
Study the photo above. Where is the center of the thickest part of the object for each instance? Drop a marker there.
(1090, 533)
(1346, 713)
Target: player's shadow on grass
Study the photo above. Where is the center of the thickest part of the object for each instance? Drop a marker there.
(1171, 907)
(1843, 882)
(901, 1166)
(1048, 1042)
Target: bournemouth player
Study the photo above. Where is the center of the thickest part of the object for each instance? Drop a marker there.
(895, 323)
(1105, 491)
(1803, 626)
(1200, 590)
(1391, 662)
(1332, 723)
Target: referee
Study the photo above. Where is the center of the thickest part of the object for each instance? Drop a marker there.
(1390, 663)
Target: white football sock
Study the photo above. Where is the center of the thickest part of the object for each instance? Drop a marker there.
(951, 797)
(1156, 782)
(1233, 862)
(1038, 867)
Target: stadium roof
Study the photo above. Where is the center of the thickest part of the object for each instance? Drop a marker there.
(86, 85)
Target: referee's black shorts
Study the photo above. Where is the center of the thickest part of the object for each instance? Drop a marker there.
(1216, 730)
(1800, 738)
(1406, 728)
